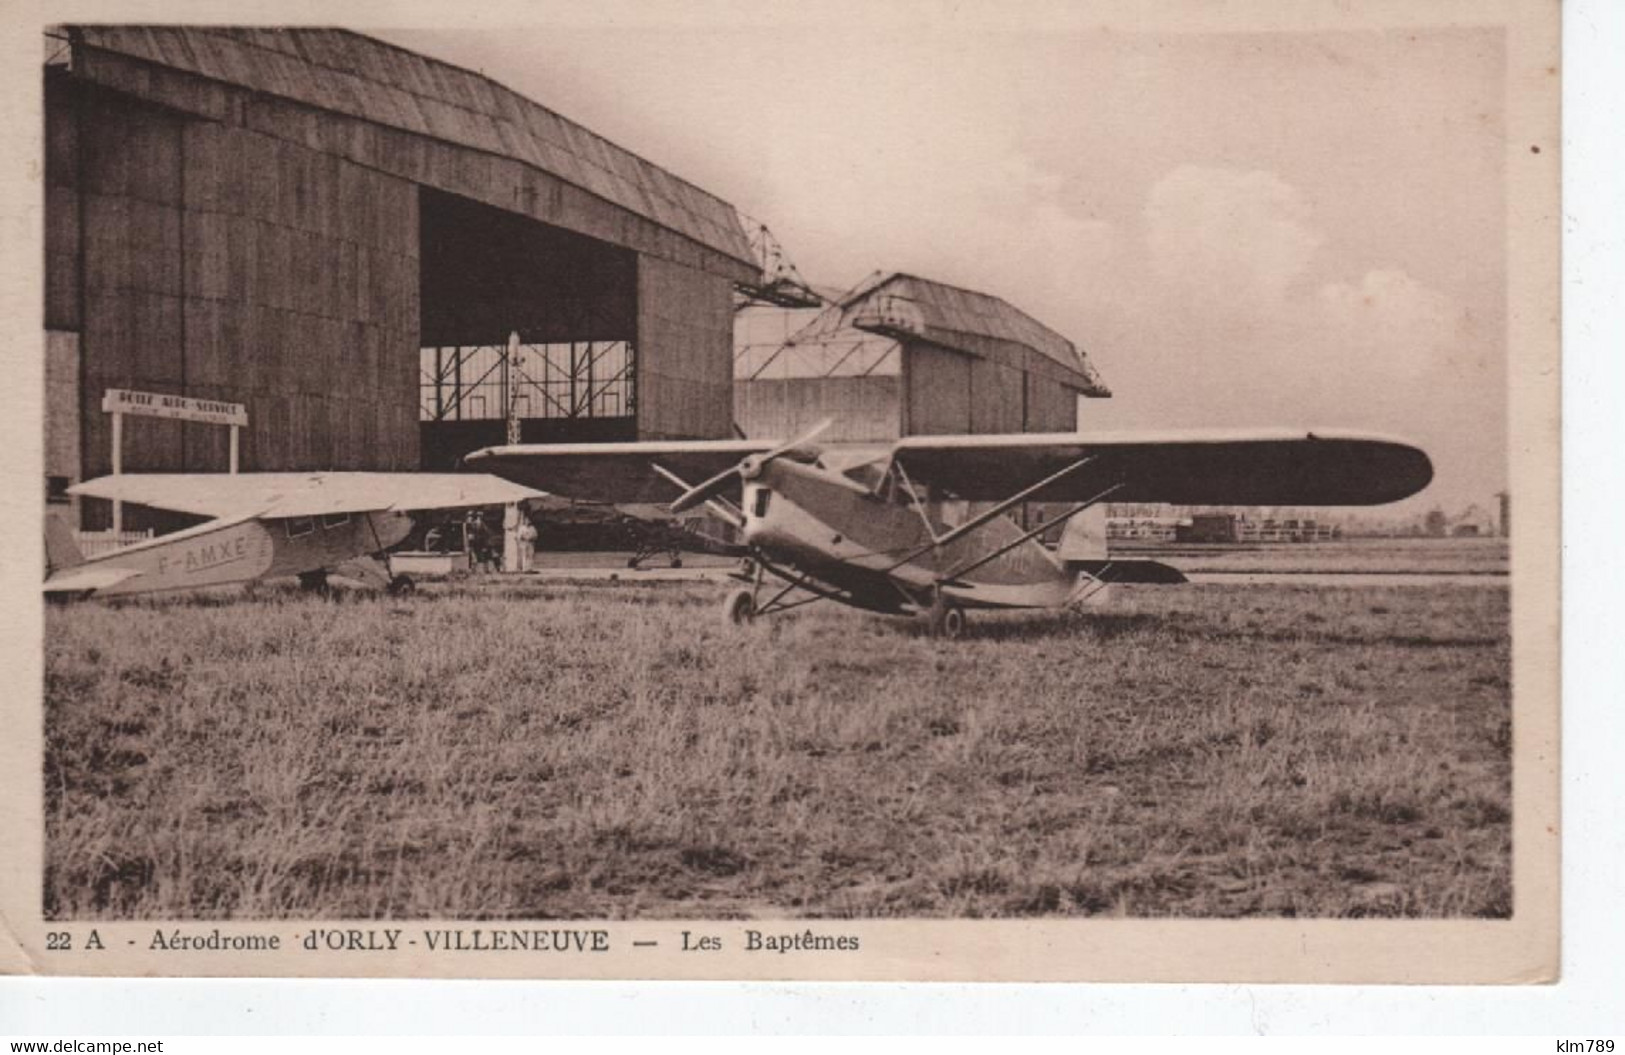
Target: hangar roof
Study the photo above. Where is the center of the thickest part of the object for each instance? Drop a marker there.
(359, 76)
(857, 330)
(945, 311)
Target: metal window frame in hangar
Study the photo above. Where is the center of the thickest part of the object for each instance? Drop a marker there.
(272, 217)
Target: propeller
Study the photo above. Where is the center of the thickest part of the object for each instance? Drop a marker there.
(745, 470)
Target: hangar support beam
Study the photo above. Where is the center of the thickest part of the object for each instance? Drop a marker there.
(779, 284)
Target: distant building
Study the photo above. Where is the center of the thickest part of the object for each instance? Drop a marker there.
(902, 356)
(1210, 527)
(1286, 529)
(1144, 528)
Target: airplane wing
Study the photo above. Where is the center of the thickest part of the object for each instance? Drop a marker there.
(378, 492)
(614, 472)
(1216, 467)
(303, 494)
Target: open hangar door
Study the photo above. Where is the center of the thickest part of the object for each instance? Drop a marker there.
(571, 375)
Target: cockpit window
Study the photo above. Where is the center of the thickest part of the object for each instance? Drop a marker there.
(869, 475)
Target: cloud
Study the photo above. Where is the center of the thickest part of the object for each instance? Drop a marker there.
(1016, 228)
(1049, 248)
(1394, 325)
(1230, 239)
(1229, 254)
(1236, 313)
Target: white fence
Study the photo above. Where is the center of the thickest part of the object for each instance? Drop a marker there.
(95, 543)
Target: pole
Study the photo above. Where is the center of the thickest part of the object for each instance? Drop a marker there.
(510, 537)
(118, 467)
(439, 383)
(509, 400)
(234, 431)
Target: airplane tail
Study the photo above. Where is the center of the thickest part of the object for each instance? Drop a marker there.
(1084, 536)
(1083, 549)
(61, 551)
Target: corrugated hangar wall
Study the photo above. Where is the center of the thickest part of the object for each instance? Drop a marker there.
(861, 409)
(223, 264)
(210, 240)
(1002, 387)
(941, 391)
(903, 355)
(684, 388)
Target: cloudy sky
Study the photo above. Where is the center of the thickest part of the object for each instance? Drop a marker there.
(1286, 228)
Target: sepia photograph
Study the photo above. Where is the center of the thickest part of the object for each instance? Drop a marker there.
(841, 485)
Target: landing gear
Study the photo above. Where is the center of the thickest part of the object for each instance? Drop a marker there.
(401, 586)
(673, 556)
(748, 604)
(947, 620)
(314, 582)
(740, 607)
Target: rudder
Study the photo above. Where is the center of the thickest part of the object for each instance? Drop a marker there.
(1083, 548)
(1084, 536)
(61, 551)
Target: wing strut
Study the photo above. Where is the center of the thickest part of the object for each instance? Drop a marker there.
(919, 507)
(1021, 496)
(723, 508)
(999, 510)
(795, 580)
(1034, 533)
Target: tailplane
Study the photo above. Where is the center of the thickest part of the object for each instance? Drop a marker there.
(1143, 572)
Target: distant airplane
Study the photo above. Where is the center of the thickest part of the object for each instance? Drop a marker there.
(872, 528)
(265, 525)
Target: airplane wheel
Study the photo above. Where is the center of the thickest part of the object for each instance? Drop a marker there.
(947, 620)
(740, 607)
(314, 582)
(402, 586)
(676, 562)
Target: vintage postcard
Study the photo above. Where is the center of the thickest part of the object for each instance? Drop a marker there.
(1044, 491)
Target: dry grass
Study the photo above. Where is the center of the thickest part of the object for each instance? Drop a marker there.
(564, 751)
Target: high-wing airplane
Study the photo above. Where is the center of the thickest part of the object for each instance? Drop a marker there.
(874, 528)
(265, 525)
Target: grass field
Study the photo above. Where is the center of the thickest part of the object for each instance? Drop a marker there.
(1418, 556)
(497, 750)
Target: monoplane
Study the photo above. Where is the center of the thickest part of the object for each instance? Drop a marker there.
(262, 525)
(928, 526)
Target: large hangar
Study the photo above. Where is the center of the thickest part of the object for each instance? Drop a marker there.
(902, 355)
(341, 234)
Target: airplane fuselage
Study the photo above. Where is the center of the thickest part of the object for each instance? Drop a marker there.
(222, 553)
(876, 544)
